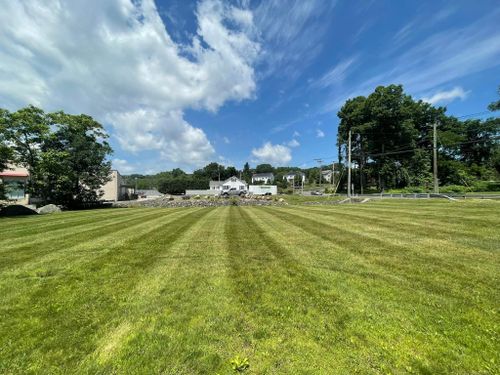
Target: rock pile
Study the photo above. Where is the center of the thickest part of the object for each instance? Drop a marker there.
(204, 202)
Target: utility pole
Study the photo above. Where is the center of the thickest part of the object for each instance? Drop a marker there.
(360, 166)
(319, 162)
(333, 174)
(434, 152)
(349, 166)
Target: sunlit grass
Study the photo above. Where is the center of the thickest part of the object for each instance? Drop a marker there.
(384, 287)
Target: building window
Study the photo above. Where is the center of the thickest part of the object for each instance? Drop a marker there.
(14, 189)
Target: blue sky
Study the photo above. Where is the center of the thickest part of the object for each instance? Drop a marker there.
(179, 83)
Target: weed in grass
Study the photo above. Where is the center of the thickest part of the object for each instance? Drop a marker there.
(239, 365)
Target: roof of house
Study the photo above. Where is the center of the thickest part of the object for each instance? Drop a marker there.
(215, 183)
(234, 178)
(14, 174)
(263, 175)
(295, 173)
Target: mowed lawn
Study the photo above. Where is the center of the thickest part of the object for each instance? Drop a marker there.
(390, 287)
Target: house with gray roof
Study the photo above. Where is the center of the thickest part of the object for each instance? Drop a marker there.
(267, 178)
(296, 176)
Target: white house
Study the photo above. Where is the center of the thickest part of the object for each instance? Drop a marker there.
(234, 182)
(266, 178)
(296, 176)
(327, 176)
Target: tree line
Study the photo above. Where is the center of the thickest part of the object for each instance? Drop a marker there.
(177, 181)
(66, 155)
(392, 142)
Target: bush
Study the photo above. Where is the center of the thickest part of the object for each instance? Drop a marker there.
(453, 189)
(486, 186)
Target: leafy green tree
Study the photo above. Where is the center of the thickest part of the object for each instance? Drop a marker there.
(385, 125)
(264, 168)
(66, 155)
(230, 171)
(5, 151)
(27, 129)
(247, 173)
(177, 172)
(495, 106)
(79, 142)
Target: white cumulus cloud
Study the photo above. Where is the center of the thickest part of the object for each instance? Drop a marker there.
(293, 143)
(320, 133)
(272, 154)
(447, 96)
(116, 61)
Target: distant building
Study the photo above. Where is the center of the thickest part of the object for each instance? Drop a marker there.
(234, 182)
(327, 176)
(296, 176)
(148, 194)
(115, 189)
(15, 181)
(216, 185)
(266, 178)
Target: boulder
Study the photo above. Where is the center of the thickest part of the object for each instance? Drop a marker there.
(48, 209)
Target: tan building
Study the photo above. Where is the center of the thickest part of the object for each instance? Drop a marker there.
(115, 189)
(15, 181)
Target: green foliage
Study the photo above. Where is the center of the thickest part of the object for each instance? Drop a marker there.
(247, 173)
(239, 365)
(264, 168)
(180, 184)
(6, 154)
(495, 106)
(392, 142)
(453, 189)
(66, 155)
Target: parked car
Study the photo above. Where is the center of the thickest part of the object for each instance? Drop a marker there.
(233, 192)
(316, 192)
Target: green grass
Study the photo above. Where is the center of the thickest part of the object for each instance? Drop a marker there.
(298, 199)
(389, 287)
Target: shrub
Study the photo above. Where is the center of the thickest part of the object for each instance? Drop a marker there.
(486, 186)
(453, 189)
